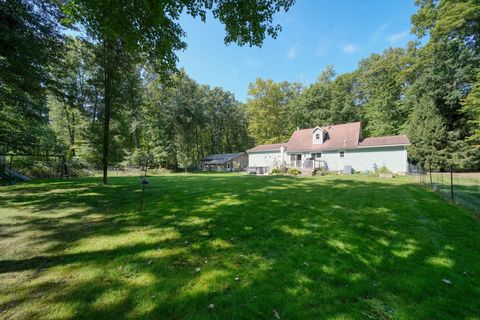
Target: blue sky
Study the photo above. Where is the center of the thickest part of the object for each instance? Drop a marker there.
(316, 33)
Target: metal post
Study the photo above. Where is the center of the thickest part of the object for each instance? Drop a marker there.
(451, 181)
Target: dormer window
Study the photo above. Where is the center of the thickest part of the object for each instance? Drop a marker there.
(318, 135)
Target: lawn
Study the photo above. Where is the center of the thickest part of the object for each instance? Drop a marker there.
(232, 246)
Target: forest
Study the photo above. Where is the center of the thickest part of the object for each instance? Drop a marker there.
(104, 91)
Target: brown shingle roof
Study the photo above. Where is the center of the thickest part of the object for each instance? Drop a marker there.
(267, 147)
(385, 141)
(341, 136)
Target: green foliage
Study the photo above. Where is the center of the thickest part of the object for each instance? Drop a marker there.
(29, 47)
(328, 101)
(185, 122)
(276, 171)
(427, 133)
(294, 171)
(268, 110)
(383, 170)
(321, 172)
(380, 82)
(471, 108)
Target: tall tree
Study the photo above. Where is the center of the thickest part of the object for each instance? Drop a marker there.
(29, 46)
(152, 30)
(447, 66)
(381, 87)
(330, 100)
(268, 109)
(427, 133)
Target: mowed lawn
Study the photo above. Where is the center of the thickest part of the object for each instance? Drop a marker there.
(233, 246)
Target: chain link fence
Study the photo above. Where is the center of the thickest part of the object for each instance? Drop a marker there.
(461, 187)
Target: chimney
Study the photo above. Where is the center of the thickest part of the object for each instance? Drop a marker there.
(298, 128)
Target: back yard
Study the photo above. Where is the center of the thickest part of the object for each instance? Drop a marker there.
(228, 246)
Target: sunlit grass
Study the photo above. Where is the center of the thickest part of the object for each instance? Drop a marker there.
(231, 246)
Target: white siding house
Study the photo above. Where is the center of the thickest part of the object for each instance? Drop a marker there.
(333, 148)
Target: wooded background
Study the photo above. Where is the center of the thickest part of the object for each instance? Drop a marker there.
(115, 87)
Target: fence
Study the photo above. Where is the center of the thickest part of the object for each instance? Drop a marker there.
(456, 185)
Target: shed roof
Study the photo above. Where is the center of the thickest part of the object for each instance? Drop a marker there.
(220, 158)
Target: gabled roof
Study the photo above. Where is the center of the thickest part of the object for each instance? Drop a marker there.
(341, 136)
(267, 147)
(220, 158)
(385, 141)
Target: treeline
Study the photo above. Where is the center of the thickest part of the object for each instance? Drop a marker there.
(112, 93)
(111, 90)
(177, 122)
(430, 92)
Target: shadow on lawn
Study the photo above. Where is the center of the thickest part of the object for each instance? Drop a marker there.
(308, 248)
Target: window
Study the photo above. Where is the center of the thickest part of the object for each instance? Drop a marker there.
(342, 154)
(317, 136)
(316, 155)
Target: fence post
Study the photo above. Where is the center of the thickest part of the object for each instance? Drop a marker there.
(430, 171)
(451, 181)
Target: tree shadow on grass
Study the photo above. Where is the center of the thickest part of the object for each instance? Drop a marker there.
(306, 248)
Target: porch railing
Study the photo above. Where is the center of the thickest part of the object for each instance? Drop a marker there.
(307, 164)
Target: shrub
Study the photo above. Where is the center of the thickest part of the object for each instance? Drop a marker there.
(383, 169)
(320, 172)
(294, 171)
(276, 171)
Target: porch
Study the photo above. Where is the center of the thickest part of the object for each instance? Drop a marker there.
(313, 161)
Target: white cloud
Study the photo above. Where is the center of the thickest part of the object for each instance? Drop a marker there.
(397, 37)
(292, 52)
(350, 48)
(379, 31)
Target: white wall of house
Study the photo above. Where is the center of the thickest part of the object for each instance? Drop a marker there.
(364, 159)
(361, 159)
(263, 159)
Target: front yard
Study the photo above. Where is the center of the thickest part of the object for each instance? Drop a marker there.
(232, 246)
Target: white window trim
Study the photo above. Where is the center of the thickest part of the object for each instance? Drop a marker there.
(340, 153)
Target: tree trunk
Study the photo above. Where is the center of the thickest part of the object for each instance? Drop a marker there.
(108, 79)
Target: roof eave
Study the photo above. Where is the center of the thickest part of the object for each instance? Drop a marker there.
(386, 145)
(258, 151)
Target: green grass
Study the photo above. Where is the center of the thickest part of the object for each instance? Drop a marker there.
(330, 247)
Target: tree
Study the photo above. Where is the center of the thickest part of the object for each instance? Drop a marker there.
(152, 30)
(268, 110)
(381, 86)
(427, 132)
(471, 107)
(330, 100)
(29, 46)
(447, 67)
(185, 121)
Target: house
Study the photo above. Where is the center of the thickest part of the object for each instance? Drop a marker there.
(336, 148)
(224, 162)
